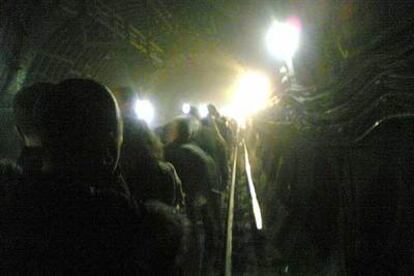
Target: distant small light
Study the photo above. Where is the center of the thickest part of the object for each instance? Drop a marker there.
(144, 110)
(203, 110)
(186, 108)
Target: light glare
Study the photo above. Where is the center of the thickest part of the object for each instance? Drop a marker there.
(186, 108)
(203, 110)
(255, 203)
(251, 95)
(283, 40)
(144, 110)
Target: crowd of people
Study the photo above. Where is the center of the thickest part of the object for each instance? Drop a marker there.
(95, 190)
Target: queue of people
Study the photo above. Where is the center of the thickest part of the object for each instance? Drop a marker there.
(96, 191)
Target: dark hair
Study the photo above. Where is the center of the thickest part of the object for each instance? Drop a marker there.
(79, 121)
(212, 110)
(183, 129)
(23, 105)
(138, 137)
(151, 142)
(194, 112)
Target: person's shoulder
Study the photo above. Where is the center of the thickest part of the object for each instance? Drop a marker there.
(169, 217)
(175, 150)
(191, 147)
(166, 167)
(170, 231)
(196, 151)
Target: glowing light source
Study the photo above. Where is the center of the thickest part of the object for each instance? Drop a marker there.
(255, 203)
(227, 111)
(251, 95)
(144, 110)
(186, 108)
(283, 39)
(203, 110)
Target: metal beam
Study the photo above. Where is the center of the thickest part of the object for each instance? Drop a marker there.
(136, 38)
(112, 21)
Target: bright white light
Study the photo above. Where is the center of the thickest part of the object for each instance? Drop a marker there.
(144, 110)
(227, 110)
(203, 110)
(251, 95)
(255, 203)
(283, 70)
(283, 40)
(186, 108)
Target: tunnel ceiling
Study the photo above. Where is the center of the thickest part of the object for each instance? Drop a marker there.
(138, 43)
(181, 48)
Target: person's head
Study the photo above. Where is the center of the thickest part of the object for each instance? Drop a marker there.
(140, 139)
(180, 130)
(194, 112)
(177, 131)
(80, 126)
(23, 105)
(212, 111)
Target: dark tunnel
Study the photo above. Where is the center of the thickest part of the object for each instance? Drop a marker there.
(207, 137)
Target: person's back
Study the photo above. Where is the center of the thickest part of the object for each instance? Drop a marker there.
(209, 141)
(73, 217)
(168, 175)
(60, 224)
(56, 224)
(198, 174)
(148, 177)
(191, 164)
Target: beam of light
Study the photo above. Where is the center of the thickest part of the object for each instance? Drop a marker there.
(145, 110)
(251, 95)
(282, 39)
(255, 203)
(226, 111)
(203, 110)
(186, 108)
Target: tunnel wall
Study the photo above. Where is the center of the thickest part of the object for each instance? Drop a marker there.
(50, 40)
(343, 209)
